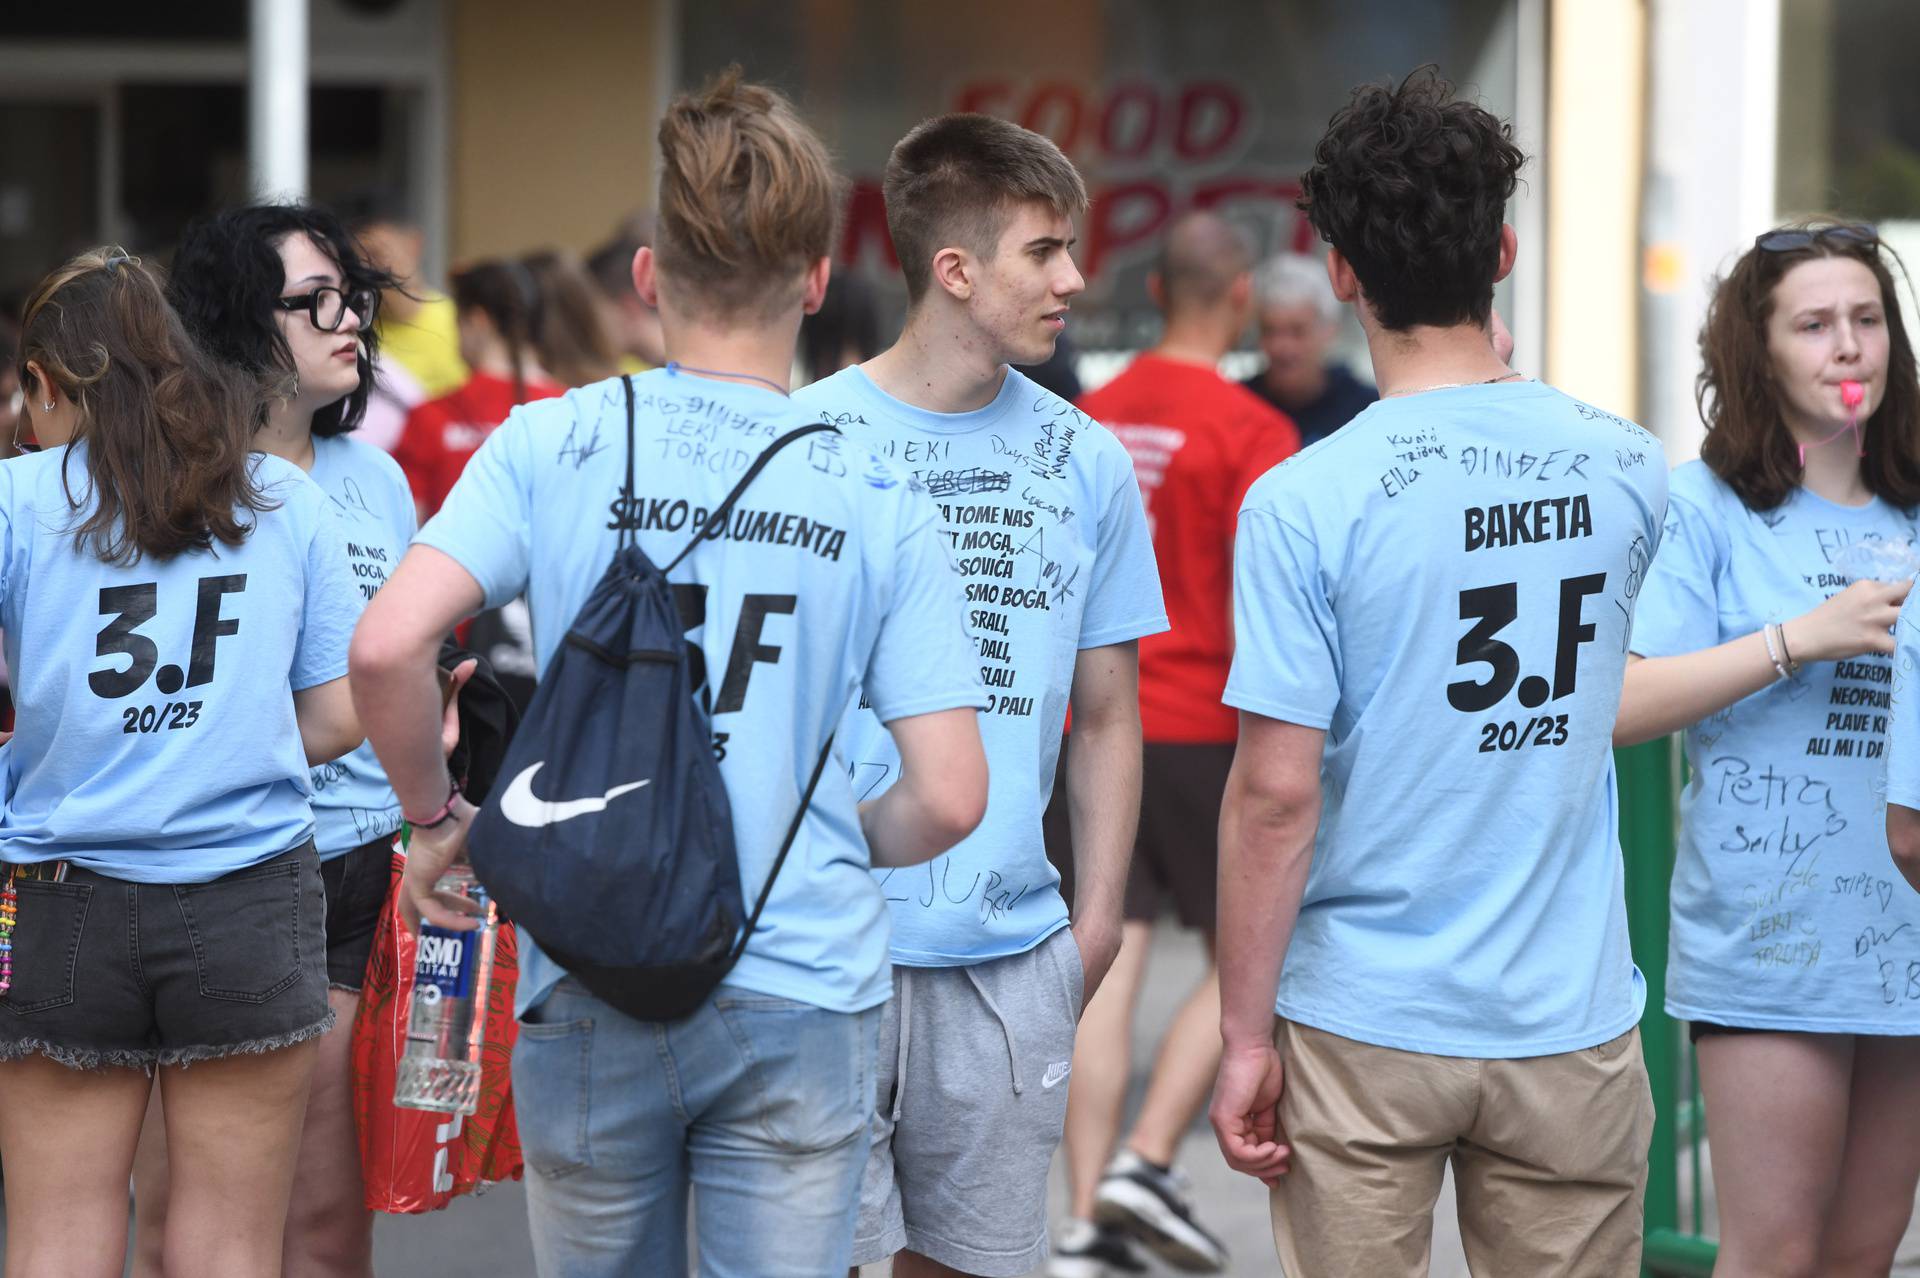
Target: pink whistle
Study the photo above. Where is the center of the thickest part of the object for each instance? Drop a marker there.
(1852, 394)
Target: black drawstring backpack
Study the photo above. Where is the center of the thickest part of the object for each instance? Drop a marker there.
(608, 837)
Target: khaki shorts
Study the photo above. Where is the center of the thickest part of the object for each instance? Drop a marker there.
(1549, 1158)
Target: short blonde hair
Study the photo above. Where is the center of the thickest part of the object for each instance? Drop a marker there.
(748, 198)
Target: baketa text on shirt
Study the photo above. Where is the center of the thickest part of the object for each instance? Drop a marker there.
(1516, 522)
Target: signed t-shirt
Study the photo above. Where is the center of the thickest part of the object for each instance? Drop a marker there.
(373, 516)
(1446, 586)
(828, 580)
(1903, 729)
(156, 738)
(1041, 515)
(1787, 912)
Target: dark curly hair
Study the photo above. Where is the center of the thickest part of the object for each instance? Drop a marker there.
(227, 274)
(1411, 186)
(1747, 443)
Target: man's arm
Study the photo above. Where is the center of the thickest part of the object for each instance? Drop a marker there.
(941, 794)
(395, 652)
(1103, 798)
(1268, 819)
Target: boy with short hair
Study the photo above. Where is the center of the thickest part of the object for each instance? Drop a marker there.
(756, 1104)
(1043, 520)
(1432, 609)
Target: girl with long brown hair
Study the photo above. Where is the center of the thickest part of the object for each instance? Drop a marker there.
(177, 613)
(568, 328)
(1762, 633)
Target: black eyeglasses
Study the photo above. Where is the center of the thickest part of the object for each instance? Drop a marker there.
(327, 306)
(1799, 237)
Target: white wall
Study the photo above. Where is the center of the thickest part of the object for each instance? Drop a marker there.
(1713, 120)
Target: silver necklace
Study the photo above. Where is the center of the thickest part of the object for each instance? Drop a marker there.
(1421, 390)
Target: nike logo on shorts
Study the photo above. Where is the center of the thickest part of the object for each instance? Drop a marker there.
(524, 808)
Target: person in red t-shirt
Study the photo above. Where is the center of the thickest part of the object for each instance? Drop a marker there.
(1198, 441)
(495, 302)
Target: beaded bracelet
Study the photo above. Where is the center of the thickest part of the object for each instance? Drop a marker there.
(443, 815)
(1776, 638)
(9, 911)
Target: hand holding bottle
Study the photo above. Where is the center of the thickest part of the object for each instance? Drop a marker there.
(1856, 621)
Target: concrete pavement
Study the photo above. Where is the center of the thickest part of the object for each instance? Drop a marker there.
(486, 1237)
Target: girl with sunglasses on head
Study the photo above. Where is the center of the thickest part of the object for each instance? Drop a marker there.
(284, 293)
(177, 611)
(1762, 633)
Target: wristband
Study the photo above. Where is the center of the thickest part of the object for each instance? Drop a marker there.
(1786, 658)
(440, 817)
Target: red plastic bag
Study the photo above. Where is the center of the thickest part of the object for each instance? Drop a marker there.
(412, 1160)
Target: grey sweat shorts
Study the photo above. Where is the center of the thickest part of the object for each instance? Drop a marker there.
(971, 1102)
(110, 972)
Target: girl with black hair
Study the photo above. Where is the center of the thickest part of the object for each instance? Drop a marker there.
(283, 292)
(177, 611)
(496, 302)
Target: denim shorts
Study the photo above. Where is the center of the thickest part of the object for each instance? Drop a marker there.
(108, 972)
(356, 886)
(756, 1104)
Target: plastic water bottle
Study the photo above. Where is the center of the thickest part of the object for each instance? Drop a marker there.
(447, 1027)
(1874, 558)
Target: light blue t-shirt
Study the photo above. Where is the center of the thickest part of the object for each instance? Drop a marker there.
(374, 517)
(1446, 586)
(830, 579)
(155, 737)
(1903, 786)
(1041, 515)
(1787, 912)
(1903, 728)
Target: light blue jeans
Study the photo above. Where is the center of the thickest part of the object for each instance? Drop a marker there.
(757, 1105)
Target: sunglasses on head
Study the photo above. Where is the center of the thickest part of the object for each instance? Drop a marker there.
(1789, 239)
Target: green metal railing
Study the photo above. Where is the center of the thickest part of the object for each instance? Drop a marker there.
(1649, 780)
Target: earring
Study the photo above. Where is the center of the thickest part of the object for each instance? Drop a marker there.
(46, 408)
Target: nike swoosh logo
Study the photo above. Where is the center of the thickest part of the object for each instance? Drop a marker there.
(524, 808)
(1056, 1074)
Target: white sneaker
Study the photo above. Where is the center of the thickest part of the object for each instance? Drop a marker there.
(1155, 1206)
(1085, 1250)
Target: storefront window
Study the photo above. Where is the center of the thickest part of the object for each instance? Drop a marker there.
(1849, 109)
(1164, 108)
(50, 193)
